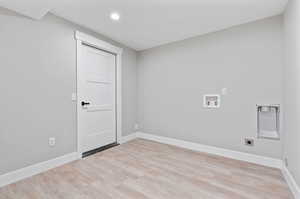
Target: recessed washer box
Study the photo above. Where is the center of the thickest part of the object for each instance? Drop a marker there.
(211, 101)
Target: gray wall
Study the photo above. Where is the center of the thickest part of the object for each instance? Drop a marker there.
(37, 78)
(172, 79)
(292, 88)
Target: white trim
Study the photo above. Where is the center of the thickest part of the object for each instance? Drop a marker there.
(97, 42)
(261, 160)
(128, 138)
(78, 51)
(87, 39)
(291, 182)
(29, 171)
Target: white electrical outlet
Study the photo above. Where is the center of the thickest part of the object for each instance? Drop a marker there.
(52, 141)
(136, 127)
(224, 91)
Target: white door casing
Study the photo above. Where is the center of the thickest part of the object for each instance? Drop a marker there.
(98, 83)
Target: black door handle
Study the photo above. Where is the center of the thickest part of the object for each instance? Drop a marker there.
(84, 103)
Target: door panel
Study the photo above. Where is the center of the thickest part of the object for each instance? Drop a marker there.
(96, 85)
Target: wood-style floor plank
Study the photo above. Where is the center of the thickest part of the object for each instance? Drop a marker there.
(143, 169)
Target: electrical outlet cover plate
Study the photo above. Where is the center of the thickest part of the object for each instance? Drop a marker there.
(52, 141)
(136, 127)
(224, 91)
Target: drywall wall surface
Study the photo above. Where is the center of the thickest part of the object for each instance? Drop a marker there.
(292, 88)
(172, 79)
(38, 77)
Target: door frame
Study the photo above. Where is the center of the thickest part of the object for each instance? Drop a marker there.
(83, 38)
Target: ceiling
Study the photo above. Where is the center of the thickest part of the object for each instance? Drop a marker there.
(148, 23)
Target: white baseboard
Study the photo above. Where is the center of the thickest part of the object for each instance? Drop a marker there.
(44, 166)
(128, 138)
(291, 182)
(261, 160)
(29, 171)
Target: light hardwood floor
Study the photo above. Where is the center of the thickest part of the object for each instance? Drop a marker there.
(143, 169)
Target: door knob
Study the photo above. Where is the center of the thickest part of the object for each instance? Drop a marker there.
(84, 103)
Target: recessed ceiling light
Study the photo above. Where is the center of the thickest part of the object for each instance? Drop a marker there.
(115, 16)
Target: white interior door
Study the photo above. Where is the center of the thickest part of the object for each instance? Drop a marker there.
(96, 98)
